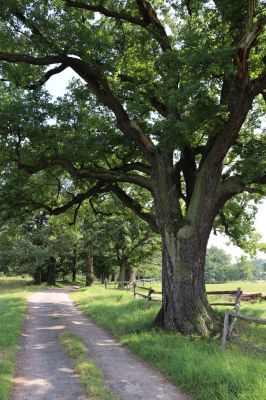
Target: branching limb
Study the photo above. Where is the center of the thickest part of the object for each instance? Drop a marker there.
(136, 207)
(122, 16)
(47, 76)
(149, 18)
(47, 60)
(83, 173)
(99, 187)
(237, 184)
(101, 88)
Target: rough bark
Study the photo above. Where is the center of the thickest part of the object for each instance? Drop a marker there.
(51, 271)
(185, 307)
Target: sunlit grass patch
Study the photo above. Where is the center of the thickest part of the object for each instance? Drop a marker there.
(90, 375)
(197, 365)
(12, 311)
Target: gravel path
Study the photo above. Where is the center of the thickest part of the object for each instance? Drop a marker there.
(44, 373)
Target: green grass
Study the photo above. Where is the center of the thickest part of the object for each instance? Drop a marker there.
(195, 364)
(90, 375)
(13, 293)
(247, 287)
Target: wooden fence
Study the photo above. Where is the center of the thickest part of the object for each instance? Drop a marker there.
(128, 285)
(228, 335)
(235, 297)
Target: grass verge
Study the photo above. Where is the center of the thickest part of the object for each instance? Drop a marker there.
(197, 365)
(90, 375)
(13, 294)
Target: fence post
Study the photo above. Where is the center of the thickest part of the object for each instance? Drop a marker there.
(149, 294)
(225, 329)
(235, 310)
(134, 289)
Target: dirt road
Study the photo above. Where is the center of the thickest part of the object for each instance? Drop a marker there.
(44, 372)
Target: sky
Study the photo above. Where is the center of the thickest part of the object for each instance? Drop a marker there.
(57, 87)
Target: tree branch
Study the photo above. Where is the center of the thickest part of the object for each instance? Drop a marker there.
(150, 17)
(47, 60)
(122, 16)
(47, 76)
(78, 199)
(101, 88)
(83, 173)
(237, 184)
(136, 207)
(148, 14)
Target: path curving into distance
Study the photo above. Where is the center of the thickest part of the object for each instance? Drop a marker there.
(44, 372)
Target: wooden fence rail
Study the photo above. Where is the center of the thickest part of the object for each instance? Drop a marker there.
(230, 317)
(229, 320)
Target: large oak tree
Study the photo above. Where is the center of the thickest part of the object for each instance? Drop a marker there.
(172, 98)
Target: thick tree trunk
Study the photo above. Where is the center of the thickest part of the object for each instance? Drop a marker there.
(51, 272)
(89, 268)
(185, 306)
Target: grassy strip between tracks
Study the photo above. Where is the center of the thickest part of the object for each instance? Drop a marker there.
(90, 375)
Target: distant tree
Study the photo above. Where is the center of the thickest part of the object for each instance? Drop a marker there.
(217, 266)
(245, 269)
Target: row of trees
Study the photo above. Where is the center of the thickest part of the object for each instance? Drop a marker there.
(113, 246)
(166, 115)
(220, 268)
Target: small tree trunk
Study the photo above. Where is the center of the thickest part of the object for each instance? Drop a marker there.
(122, 273)
(130, 274)
(89, 268)
(74, 274)
(113, 277)
(51, 272)
(74, 265)
(37, 276)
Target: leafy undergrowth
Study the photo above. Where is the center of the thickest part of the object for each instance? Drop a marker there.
(197, 365)
(12, 309)
(90, 375)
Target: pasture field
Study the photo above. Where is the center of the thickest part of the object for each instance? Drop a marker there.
(197, 365)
